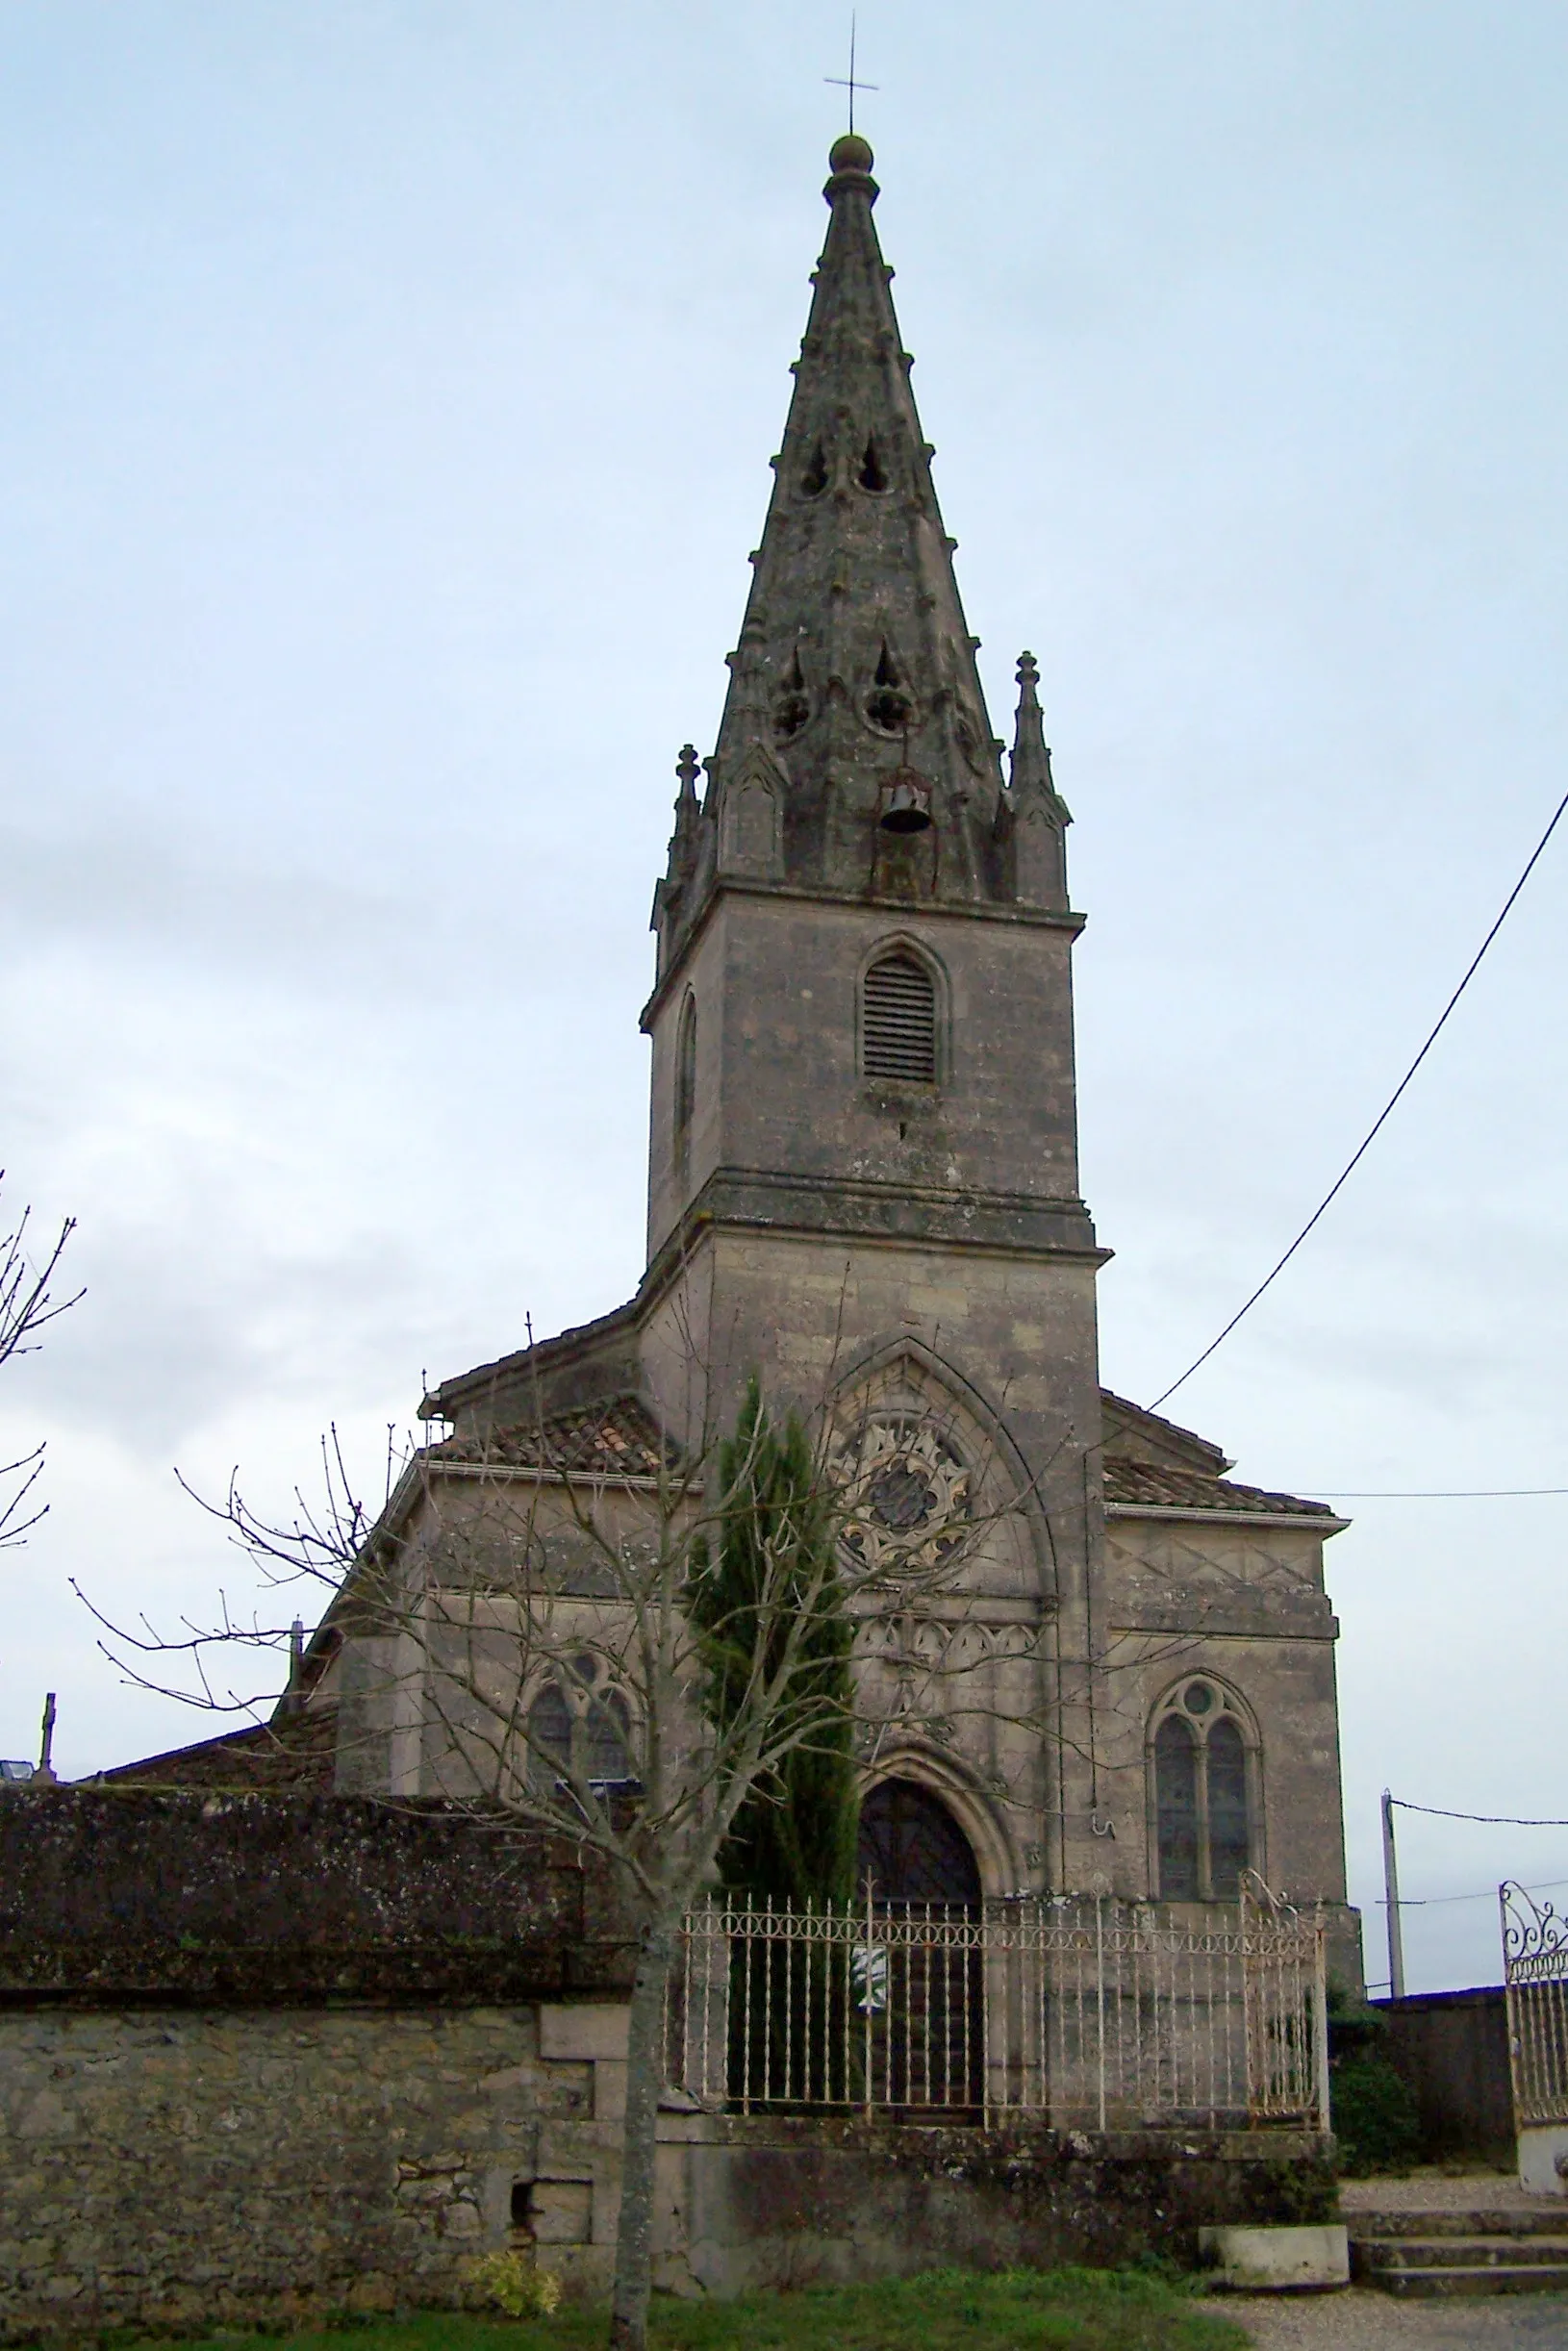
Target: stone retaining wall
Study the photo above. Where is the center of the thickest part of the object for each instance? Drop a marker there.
(262, 2058)
(165, 2167)
(141, 1893)
(171, 2167)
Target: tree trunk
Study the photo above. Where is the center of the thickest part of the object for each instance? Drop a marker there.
(644, 2080)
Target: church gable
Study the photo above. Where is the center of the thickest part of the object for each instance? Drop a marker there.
(1131, 1434)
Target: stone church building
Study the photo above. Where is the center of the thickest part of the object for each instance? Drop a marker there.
(863, 1188)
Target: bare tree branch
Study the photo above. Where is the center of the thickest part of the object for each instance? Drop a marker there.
(321, 1542)
(27, 1305)
(13, 1528)
(521, 1612)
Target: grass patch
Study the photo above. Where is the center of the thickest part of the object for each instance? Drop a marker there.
(1020, 2310)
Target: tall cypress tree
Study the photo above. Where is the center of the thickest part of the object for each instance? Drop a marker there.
(793, 1838)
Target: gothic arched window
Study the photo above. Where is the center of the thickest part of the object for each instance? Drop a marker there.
(897, 1020)
(549, 1731)
(1203, 1793)
(685, 1084)
(575, 1726)
(607, 1739)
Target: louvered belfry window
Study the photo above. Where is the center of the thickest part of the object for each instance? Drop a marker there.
(899, 1029)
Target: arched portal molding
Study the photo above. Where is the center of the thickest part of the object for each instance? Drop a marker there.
(952, 1783)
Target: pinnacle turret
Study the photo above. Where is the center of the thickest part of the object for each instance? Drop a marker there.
(673, 895)
(1030, 768)
(1039, 814)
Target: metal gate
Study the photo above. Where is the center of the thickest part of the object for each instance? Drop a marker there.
(1535, 1975)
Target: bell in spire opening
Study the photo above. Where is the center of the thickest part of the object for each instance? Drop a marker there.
(906, 803)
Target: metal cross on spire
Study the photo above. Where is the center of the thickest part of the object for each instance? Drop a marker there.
(838, 82)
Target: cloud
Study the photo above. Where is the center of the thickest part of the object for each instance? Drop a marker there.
(381, 482)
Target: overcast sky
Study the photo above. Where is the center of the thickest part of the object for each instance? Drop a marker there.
(388, 396)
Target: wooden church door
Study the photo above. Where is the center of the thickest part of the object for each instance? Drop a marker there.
(921, 1991)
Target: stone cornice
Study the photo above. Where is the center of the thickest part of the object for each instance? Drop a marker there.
(755, 1200)
(1194, 1627)
(1301, 1522)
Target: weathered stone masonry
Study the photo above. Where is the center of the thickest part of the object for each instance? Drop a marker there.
(417, 2056)
(260, 2054)
(164, 2166)
(170, 2167)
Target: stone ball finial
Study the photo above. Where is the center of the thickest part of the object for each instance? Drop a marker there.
(850, 152)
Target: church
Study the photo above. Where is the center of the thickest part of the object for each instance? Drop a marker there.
(863, 1191)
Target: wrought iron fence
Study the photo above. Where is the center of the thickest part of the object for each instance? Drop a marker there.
(1080, 2012)
(1535, 1976)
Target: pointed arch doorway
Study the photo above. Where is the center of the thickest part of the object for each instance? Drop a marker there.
(920, 1993)
(913, 1850)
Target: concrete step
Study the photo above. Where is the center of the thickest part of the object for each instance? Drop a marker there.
(1469, 2284)
(1463, 2252)
(1478, 2220)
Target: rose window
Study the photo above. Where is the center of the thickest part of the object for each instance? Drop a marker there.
(905, 1493)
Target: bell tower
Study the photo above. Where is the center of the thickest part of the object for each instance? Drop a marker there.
(863, 1140)
(856, 802)
(862, 1021)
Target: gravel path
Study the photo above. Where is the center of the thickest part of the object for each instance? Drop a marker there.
(1360, 2320)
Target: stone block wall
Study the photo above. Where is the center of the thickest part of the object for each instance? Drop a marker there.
(265, 2058)
(128, 1893)
(164, 2167)
(174, 2167)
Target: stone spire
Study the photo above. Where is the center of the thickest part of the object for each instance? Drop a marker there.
(854, 679)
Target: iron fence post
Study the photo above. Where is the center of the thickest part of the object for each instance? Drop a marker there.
(1100, 2000)
(1320, 2026)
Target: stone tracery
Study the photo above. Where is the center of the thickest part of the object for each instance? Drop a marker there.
(906, 1494)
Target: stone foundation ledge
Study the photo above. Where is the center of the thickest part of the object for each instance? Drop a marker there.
(754, 2201)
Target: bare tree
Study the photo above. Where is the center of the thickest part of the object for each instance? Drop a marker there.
(26, 1305)
(528, 1621)
(531, 1622)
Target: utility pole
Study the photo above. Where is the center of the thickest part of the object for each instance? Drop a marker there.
(44, 1776)
(1391, 1903)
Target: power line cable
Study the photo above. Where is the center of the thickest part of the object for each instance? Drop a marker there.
(1430, 1494)
(1379, 1122)
(1488, 1820)
(1433, 1901)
